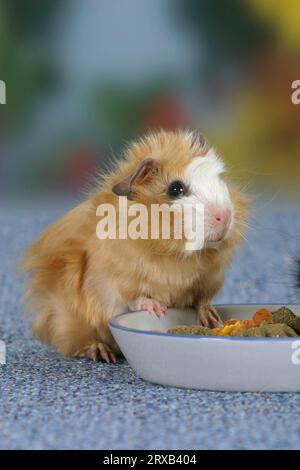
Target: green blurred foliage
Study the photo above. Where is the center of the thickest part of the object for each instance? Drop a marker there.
(229, 29)
(124, 111)
(23, 65)
(29, 18)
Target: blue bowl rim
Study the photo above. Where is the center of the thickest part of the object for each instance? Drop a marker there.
(112, 324)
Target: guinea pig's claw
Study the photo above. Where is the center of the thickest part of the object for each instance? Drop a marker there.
(152, 305)
(156, 307)
(97, 352)
(208, 316)
(106, 353)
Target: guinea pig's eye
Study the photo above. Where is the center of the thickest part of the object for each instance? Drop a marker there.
(176, 189)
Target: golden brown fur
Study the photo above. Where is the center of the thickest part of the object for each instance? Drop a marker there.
(77, 282)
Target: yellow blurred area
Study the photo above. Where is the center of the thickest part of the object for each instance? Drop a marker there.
(262, 134)
(284, 17)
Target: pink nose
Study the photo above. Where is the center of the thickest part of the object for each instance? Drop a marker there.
(219, 221)
(221, 217)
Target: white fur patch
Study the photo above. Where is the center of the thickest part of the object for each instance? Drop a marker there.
(202, 177)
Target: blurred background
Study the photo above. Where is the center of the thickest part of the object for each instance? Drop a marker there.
(84, 76)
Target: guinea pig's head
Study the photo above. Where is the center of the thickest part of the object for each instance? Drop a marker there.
(177, 170)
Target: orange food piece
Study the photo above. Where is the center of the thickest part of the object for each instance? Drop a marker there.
(247, 324)
(227, 329)
(233, 326)
(242, 325)
(261, 315)
(216, 331)
(237, 330)
(230, 322)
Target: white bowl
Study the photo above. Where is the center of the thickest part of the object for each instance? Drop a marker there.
(207, 363)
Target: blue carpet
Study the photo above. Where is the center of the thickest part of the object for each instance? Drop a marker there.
(48, 402)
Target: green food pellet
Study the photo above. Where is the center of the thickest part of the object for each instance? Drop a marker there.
(190, 330)
(286, 316)
(278, 330)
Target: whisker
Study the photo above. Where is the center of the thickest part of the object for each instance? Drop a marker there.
(242, 235)
(246, 225)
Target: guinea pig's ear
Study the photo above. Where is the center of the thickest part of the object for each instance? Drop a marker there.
(198, 140)
(146, 168)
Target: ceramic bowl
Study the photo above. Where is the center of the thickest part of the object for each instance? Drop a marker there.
(207, 363)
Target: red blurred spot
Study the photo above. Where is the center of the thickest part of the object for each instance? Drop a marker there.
(81, 164)
(165, 113)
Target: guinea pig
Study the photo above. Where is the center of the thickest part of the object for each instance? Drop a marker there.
(77, 281)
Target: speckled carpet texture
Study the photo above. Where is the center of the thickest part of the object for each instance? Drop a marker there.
(48, 402)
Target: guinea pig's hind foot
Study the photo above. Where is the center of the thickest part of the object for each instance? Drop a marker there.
(153, 306)
(97, 351)
(208, 316)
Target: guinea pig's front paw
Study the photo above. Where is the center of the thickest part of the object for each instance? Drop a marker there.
(97, 352)
(208, 316)
(153, 306)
